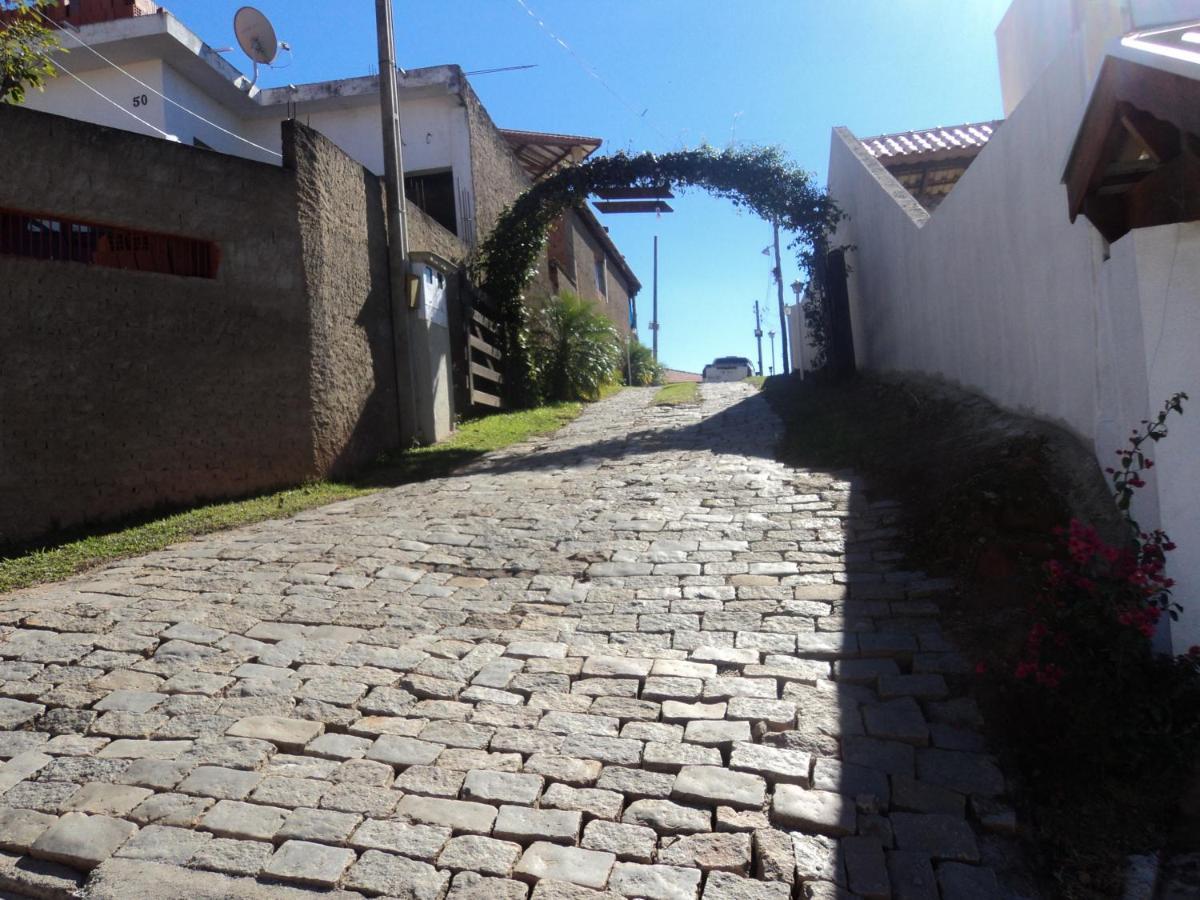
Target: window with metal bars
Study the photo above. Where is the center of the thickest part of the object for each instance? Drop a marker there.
(40, 236)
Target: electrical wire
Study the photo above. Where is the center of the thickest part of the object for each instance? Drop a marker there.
(152, 90)
(592, 72)
(108, 99)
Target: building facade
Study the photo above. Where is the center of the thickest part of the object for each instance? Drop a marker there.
(1018, 286)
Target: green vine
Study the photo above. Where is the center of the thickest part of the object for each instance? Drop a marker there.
(758, 179)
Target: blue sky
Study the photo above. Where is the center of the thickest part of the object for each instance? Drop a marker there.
(670, 74)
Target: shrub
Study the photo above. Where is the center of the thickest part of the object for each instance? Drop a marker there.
(1096, 700)
(574, 349)
(642, 368)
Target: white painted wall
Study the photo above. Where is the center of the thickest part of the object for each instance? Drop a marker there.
(800, 344)
(434, 129)
(998, 292)
(1033, 33)
(64, 96)
(1168, 267)
(189, 127)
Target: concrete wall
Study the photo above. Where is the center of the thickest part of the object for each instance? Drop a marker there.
(999, 292)
(343, 239)
(123, 391)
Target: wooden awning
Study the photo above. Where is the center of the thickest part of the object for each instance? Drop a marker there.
(541, 153)
(1139, 137)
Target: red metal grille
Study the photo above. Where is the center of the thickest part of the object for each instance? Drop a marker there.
(39, 236)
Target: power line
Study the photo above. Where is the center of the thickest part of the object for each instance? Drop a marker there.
(583, 64)
(108, 99)
(152, 90)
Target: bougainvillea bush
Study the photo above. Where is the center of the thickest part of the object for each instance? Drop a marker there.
(1095, 695)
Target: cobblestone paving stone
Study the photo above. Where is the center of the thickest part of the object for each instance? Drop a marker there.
(638, 658)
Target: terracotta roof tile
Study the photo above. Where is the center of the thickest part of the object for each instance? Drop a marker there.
(968, 139)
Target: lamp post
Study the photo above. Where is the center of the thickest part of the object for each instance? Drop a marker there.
(771, 335)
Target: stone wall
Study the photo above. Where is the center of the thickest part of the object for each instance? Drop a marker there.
(344, 251)
(125, 391)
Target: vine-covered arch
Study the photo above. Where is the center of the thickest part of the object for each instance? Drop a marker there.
(759, 179)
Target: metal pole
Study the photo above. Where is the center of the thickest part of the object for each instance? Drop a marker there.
(771, 335)
(393, 177)
(783, 346)
(758, 335)
(654, 316)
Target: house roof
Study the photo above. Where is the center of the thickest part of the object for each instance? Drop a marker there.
(541, 153)
(931, 143)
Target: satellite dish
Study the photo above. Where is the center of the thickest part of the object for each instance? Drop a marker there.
(255, 35)
(257, 39)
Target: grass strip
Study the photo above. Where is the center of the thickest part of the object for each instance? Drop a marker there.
(85, 549)
(678, 393)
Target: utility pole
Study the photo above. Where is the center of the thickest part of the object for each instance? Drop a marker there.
(393, 176)
(783, 341)
(654, 313)
(771, 335)
(758, 334)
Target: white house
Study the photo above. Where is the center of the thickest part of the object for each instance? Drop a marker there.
(1057, 269)
(460, 168)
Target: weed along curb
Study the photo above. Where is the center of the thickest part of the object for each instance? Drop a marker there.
(62, 559)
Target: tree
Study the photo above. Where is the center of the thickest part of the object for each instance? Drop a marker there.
(25, 47)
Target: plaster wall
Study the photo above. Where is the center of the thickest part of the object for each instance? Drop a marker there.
(998, 292)
(64, 96)
(434, 131)
(1034, 32)
(1168, 270)
(188, 127)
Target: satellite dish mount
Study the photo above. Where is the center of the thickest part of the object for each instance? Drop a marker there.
(256, 37)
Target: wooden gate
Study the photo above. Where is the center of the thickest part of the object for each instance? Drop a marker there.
(840, 352)
(481, 359)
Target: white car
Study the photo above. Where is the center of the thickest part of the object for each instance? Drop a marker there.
(728, 368)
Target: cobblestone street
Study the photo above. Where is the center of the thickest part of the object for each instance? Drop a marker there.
(638, 657)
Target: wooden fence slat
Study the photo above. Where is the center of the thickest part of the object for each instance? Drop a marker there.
(486, 373)
(483, 320)
(483, 346)
(485, 399)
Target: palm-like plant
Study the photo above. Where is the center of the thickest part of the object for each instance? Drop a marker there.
(574, 349)
(642, 368)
